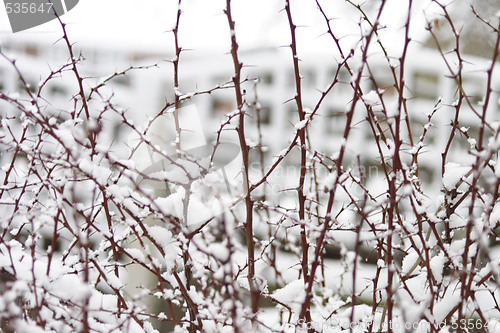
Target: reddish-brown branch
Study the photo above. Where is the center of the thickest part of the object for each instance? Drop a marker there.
(254, 291)
(303, 150)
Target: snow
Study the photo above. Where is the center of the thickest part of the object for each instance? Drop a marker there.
(453, 173)
(66, 137)
(371, 98)
(495, 215)
(437, 266)
(293, 292)
(130, 205)
(217, 252)
(114, 281)
(160, 235)
(443, 307)
(301, 124)
(329, 181)
(93, 125)
(71, 287)
(472, 143)
(409, 261)
(494, 143)
(136, 254)
(99, 173)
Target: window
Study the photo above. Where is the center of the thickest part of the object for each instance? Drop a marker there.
(335, 122)
(474, 89)
(267, 78)
(221, 107)
(121, 80)
(417, 129)
(29, 84)
(308, 78)
(48, 241)
(57, 90)
(384, 81)
(343, 75)
(254, 156)
(425, 85)
(292, 112)
(265, 114)
(31, 50)
(342, 86)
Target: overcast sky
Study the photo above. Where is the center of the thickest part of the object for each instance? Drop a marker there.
(146, 23)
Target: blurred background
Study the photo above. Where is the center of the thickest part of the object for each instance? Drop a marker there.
(126, 48)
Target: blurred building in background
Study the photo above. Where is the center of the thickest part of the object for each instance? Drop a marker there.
(430, 91)
(269, 89)
(143, 86)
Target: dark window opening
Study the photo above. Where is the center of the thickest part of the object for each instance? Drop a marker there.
(57, 90)
(426, 85)
(122, 80)
(267, 78)
(265, 115)
(31, 50)
(221, 107)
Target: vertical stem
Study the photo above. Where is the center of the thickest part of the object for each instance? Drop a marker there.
(303, 151)
(244, 153)
(175, 62)
(79, 79)
(328, 219)
(177, 95)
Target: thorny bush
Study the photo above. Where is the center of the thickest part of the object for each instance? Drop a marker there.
(86, 246)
